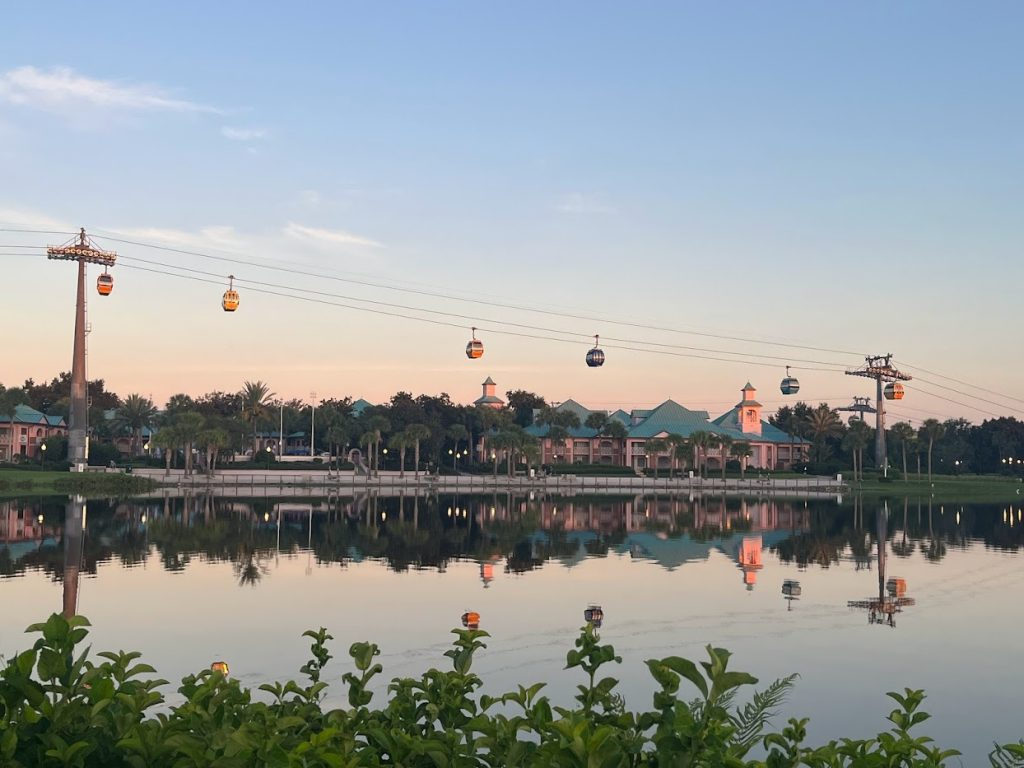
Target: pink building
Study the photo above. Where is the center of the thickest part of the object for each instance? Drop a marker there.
(23, 432)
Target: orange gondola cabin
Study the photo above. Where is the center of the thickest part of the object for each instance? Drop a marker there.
(230, 300)
(105, 284)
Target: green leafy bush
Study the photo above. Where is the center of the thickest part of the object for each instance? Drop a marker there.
(58, 707)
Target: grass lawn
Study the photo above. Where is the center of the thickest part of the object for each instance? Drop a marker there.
(947, 488)
(23, 482)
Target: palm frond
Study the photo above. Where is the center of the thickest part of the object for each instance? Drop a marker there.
(751, 719)
(1007, 756)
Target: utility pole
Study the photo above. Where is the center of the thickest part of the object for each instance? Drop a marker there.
(312, 424)
(81, 250)
(880, 369)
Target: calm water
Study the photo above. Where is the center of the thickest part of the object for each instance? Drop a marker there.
(190, 580)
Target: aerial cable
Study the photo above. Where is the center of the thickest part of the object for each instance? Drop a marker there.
(447, 324)
(476, 318)
(965, 383)
(497, 304)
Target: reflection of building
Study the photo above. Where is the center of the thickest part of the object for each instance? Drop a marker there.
(771, 448)
(749, 558)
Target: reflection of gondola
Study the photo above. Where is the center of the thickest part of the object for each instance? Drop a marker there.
(471, 620)
(594, 615)
(220, 666)
(791, 591)
(891, 597)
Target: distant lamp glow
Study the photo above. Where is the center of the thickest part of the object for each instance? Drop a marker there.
(39, 519)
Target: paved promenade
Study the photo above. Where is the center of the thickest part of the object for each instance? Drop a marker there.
(312, 482)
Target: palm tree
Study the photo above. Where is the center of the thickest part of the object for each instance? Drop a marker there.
(457, 433)
(256, 398)
(652, 448)
(682, 450)
(701, 441)
(596, 420)
(674, 440)
(903, 435)
(823, 424)
(212, 440)
(400, 441)
(136, 413)
(742, 450)
(167, 439)
(378, 425)
(725, 444)
(931, 430)
(417, 433)
(855, 441)
(713, 442)
(188, 426)
(503, 441)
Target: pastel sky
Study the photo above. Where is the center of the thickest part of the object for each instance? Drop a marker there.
(840, 176)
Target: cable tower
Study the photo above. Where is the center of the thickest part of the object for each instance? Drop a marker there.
(81, 250)
(861, 405)
(880, 369)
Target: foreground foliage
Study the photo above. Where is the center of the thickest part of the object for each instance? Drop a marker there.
(58, 707)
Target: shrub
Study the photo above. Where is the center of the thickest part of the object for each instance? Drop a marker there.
(59, 707)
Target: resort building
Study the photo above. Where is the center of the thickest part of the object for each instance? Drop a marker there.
(488, 398)
(23, 432)
(625, 444)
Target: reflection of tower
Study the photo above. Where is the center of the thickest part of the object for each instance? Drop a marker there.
(891, 597)
(791, 591)
(74, 540)
(750, 559)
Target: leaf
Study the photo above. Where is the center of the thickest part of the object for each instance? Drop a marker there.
(687, 669)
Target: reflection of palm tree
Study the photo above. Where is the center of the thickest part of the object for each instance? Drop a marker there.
(903, 548)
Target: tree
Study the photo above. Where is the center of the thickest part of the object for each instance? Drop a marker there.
(255, 397)
(615, 429)
(931, 430)
(417, 433)
(742, 450)
(701, 441)
(596, 421)
(400, 442)
(903, 435)
(823, 423)
(188, 426)
(725, 444)
(135, 414)
(167, 439)
(652, 448)
(523, 404)
(457, 433)
(675, 441)
(856, 440)
(504, 441)
(211, 440)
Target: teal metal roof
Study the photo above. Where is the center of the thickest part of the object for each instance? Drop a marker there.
(359, 406)
(671, 418)
(24, 414)
(621, 415)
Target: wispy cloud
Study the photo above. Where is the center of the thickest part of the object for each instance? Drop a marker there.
(327, 236)
(242, 134)
(62, 88)
(218, 237)
(580, 203)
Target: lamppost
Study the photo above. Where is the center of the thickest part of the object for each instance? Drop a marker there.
(385, 452)
(42, 455)
(456, 455)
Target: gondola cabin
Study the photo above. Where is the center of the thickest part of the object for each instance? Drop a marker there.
(790, 385)
(104, 284)
(230, 300)
(595, 357)
(475, 348)
(594, 615)
(893, 391)
(220, 666)
(896, 587)
(471, 620)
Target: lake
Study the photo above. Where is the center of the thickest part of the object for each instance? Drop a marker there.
(909, 594)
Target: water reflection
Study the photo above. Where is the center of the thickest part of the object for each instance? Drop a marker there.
(502, 533)
(891, 598)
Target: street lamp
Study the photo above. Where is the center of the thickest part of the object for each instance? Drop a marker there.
(42, 455)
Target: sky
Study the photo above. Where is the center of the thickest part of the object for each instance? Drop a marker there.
(843, 178)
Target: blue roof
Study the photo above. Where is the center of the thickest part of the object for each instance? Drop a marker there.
(670, 418)
(25, 414)
(359, 406)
